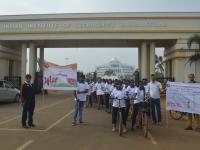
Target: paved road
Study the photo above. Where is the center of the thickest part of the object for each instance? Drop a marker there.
(54, 130)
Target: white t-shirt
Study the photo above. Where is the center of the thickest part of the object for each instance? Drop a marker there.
(100, 88)
(111, 88)
(146, 88)
(108, 88)
(131, 91)
(82, 87)
(90, 88)
(154, 89)
(120, 94)
(140, 95)
(94, 88)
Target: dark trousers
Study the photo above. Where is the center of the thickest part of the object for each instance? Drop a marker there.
(114, 115)
(127, 108)
(28, 109)
(94, 97)
(100, 100)
(107, 96)
(135, 113)
(155, 107)
(89, 100)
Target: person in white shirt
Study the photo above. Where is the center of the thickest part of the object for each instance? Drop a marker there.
(130, 91)
(100, 93)
(112, 88)
(80, 98)
(154, 89)
(89, 94)
(118, 96)
(94, 92)
(140, 95)
(107, 93)
(145, 84)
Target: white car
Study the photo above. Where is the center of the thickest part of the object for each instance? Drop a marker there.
(8, 93)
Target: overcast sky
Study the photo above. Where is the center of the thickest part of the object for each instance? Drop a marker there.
(87, 58)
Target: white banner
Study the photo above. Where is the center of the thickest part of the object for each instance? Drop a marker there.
(60, 78)
(183, 97)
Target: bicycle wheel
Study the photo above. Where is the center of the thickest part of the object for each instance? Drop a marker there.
(120, 123)
(145, 124)
(176, 115)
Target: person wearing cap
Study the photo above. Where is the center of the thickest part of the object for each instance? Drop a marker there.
(27, 102)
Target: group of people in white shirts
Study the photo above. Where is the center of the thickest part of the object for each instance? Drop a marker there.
(115, 94)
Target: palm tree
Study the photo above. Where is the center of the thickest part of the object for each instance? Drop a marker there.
(194, 39)
(159, 65)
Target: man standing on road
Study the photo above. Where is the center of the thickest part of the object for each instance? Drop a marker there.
(191, 78)
(154, 89)
(80, 98)
(28, 102)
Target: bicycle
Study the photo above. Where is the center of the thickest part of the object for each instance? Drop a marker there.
(119, 116)
(176, 115)
(144, 116)
(131, 105)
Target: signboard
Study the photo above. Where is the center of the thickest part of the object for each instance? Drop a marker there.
(60, 78)
(183, 97)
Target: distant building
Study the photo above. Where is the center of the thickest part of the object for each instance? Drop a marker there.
(119, 69)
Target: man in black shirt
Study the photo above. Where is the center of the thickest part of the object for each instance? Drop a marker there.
(28, 102)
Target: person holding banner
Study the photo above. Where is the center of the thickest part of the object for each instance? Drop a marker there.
(154, 89)
(80, 98)
(191, 78)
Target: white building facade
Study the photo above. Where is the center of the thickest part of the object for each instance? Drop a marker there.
(120, 70)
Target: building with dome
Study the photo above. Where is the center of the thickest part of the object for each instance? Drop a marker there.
(119, 69)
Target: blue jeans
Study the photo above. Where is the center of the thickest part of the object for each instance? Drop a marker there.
(78, 110)
(155, 106)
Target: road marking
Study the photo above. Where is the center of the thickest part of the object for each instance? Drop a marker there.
(58, 121)
(39, 130)
(153, 141)
(37, 110)
(9, 120)
(27, 130)
(25, 145)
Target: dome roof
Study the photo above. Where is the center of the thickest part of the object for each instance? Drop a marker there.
(114, 59)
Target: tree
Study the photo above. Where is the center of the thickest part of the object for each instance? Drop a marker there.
(194, 39)
(109, 72)
(89, 75)
(159, 65)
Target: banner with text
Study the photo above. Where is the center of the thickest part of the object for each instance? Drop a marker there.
(60, 78)
(183, 97)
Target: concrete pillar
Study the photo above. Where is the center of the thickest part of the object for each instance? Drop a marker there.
(41, 62)
(35, 59)
(148, 61)
(32, 60)
(23, 61)
(144, 60)
(152, 58)
(139, 61)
